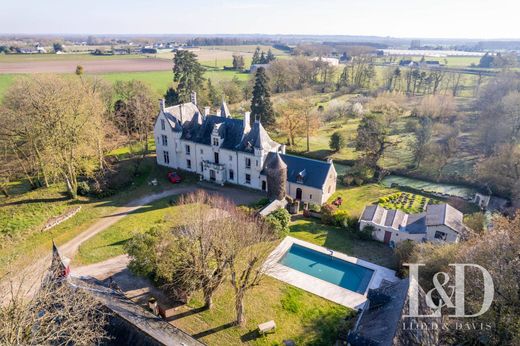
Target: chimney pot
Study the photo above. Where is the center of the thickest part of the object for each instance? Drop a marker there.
(161, 105)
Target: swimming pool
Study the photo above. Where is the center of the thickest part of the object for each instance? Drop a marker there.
(328, 268)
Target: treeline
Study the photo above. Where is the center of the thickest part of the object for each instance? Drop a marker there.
(61, 129)
(227, 41)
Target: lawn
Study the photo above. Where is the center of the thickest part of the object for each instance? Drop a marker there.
(110, 242)
(339, 239)
(356, 198)
(299, 316)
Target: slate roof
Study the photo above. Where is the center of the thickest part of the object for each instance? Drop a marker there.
(257, 138)
(373, 213)
(316, 171)
(229, 129)
(379, 320)
(184, 111)
(444, 214)
(416, 224)
(395, 218)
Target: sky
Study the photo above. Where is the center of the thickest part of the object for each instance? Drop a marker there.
(479, 19)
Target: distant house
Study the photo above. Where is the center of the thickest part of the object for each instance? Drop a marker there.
(383, 320)
(440, 223)
(255, 67)
(330, 61)
(408, 63)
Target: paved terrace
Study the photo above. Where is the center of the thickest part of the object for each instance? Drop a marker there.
(320, 287)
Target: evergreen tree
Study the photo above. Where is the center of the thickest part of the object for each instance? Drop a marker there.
(261, 106)
(263, 59)
(343, 78)
(213, 95)
(188, 72)
(256, 56)
(238, 62)
(270, 56)
(171, 98)
(337, 141)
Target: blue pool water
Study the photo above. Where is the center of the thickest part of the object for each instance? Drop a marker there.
(325, 267)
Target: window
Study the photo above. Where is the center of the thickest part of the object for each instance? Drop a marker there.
(230, 158)
(163, 126)
(231, 175)
(248, 178)
(164, 140)
(310, 196)
(329, 189)
(248, 162)
(440, 235)
(188, 149)
(201, 152)
(216, 158)
(188, 163)
(256, 163)
(215, 141)
(166, 157)
(202, 167)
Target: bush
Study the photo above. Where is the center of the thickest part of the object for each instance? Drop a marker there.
(341, 218)
(327, 214)
(314, 207)
(83, 188)
(348, 180)
(366, 233)
(279, 220)
(337, 141)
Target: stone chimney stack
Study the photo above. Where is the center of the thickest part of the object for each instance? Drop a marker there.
(206, 111)
(219, 113)
(162, 105)
(247, 120)
(194, 98)
(282, 149)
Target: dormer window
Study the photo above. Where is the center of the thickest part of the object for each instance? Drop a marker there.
(301, 176)
(216, 141)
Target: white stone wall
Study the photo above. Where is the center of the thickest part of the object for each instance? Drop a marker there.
(254, 171)
(452, 236)
(309, 194)
(170, 147)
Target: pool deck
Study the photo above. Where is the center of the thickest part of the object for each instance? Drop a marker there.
(320, 287)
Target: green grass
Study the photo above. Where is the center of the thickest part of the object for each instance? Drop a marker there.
(110, 242)
(339, 239)
(356, 198)
(299, 316)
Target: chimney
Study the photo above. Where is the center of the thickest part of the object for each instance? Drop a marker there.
(329, 160)
(180, 112)
(282, 149)
(218, 113)
(247, 120)
(206, 111)
(161, 105)
(194, 98)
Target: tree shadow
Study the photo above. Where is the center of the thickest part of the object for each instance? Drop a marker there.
(186, 314)
(36, 200)
(213, 330)
(250, 336)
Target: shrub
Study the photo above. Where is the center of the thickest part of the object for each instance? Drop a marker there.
(358, 181)
(341, 218)
(291, 299)
(337, 141)
(327, 214)
(279, 220)
(366, 232)
(348, 180)
(83, 188)
(314, 207)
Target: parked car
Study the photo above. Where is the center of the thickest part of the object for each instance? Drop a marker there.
(173, 177)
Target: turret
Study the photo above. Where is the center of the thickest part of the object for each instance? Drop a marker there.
(276, 171)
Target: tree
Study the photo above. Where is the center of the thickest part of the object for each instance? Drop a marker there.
(79, 70)
(188, 72)
(134, 115)
(437, 106)
(423, 134)
(238, 62)
(270, 56)
(57, 47)
(171, 98)
(261, 106)
(256, 57)
(337, 141)
(343, 80)
(290, 119)
(372, 139)
(51, 123)
(213, 95)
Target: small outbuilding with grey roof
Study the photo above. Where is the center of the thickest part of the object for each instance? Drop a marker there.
(440, 222)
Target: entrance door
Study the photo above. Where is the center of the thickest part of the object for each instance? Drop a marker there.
(388, 235)
(212, 176)
(264, 185)
(298, 193)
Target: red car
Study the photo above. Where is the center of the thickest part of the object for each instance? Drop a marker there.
(173, 177)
